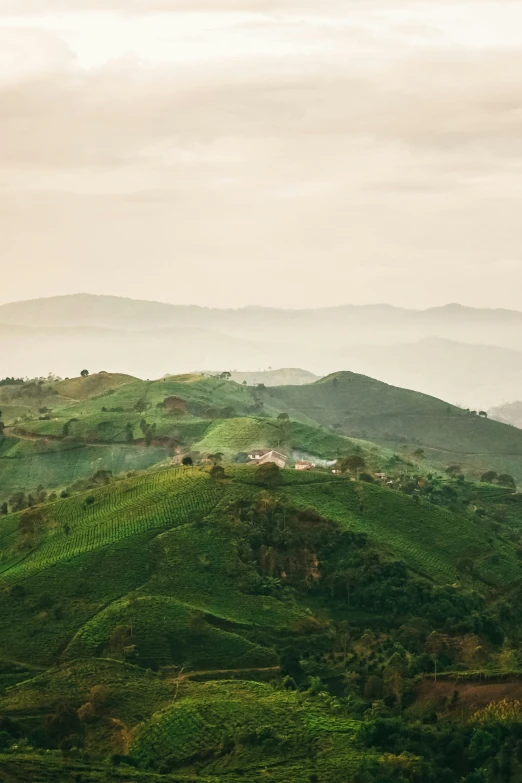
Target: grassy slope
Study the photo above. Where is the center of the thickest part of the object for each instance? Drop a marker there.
(141, 537)
(25, 464)
(41, 461)
(212, 712)
(92, 385)
(355, 405)
(279, 731)
(363, 407)
(396, 419)
(142, 556)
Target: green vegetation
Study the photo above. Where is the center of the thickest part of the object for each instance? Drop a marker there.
(167, 613)
(147, 612)
(27, 464)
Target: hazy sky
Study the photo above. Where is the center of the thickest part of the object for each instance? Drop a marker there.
(291, 152)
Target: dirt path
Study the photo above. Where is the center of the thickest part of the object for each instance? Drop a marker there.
(8, 431)
(180, 676)
(22, 665)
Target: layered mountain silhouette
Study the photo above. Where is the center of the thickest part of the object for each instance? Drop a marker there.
(466, 355)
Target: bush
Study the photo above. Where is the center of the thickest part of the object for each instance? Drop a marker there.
(268, 474)
(17, 591)
(87, 712)
(217, 473)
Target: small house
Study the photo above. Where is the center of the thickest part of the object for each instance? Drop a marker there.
(381, 476)
(258, 453)
(303, 464)
(269, 456)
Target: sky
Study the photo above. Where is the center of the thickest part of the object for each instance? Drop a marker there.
(296, 153)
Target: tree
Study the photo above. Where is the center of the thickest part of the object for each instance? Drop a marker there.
(4, 508)
(149, 434)
(352, 464)
(129, 433)
(99, 695)
(225, 376)
(30, 521)
(290, 663)
(505, 480)
(17, 501)
(217, 473)
(465, 565)
(453, 470)
(268, 474)
(489, 477)
(216, 458)
(483, 414)
(394, 674)
(84, 373)
(187, 461)
(121, 639)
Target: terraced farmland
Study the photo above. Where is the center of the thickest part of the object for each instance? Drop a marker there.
(26, 464)
(428, 539)
(211, 712)
(74, 525)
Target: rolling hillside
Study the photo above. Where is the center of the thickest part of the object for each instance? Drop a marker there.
(180, 624)
(151, 523)
(362, 407)
(104, 426)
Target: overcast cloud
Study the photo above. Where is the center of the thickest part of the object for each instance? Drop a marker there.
(297, 153)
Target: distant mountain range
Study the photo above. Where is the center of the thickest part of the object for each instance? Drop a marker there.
(466, 355)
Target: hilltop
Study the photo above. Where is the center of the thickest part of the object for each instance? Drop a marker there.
(358, 406)
(118, 423)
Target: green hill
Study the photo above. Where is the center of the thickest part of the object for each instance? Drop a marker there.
(361, 407)
(26, 465)
(192, 413)
(182, 623)
(91, 385)
(144, 534)
(76, 437)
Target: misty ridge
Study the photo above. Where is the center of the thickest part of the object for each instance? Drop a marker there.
(464, 355)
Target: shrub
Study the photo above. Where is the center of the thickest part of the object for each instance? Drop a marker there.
(87, 712)
(268, 474)
(217, 473)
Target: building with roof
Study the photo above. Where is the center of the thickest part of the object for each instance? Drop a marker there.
(267, 456)
(303, 464)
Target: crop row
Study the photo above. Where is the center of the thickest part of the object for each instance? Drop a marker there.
(116, 515)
